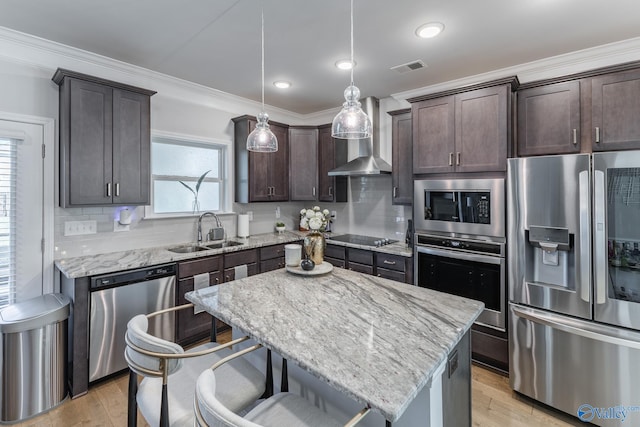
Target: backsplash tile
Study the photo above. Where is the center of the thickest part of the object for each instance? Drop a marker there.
(369, 211)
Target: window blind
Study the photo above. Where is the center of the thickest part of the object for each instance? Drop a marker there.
(8, 161)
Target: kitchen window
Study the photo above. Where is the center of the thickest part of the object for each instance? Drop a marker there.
(177, 164)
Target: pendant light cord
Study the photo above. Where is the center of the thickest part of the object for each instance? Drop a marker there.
(352, 63)
(262, 36)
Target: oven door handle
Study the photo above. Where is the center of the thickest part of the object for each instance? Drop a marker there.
(465, 256)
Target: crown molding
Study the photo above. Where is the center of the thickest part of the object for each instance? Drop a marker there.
(555, 66)
(48, 55)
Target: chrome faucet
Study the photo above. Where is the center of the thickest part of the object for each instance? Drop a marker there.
(219, 225)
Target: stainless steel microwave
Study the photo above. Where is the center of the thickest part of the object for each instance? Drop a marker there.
(461, 206)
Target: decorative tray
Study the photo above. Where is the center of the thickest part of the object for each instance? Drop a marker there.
(323, 268)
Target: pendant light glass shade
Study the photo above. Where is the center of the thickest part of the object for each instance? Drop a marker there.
(351, 122)
(261, 139)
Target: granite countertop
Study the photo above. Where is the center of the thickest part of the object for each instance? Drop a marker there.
(376, 340)
(111, 262)
(92, 265)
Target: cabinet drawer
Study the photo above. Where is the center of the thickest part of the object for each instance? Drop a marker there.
(230, 273)
(391, 274)
(335, 251)
(241, 257)
(360, 256)
(270, 252)
(361, 268)
(192, 327)
(335, 262)
(390, 262)
(271, 264)
(197, 266)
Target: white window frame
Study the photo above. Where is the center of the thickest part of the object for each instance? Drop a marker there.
(226, 166)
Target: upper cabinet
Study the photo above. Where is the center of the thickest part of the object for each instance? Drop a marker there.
(549, 119)
(464, 130)
(104, 141)
(303, 163)
(331, 154)
(615, 111)
(592, 111)
(261, 177)
(402, 150)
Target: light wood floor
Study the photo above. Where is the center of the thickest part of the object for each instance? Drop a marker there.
(494, 404)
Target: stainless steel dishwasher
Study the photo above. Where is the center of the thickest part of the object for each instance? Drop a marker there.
(115, 299)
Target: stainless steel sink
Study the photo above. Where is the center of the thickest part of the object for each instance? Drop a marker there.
(197, 248)
(187, 249)
(220, 245)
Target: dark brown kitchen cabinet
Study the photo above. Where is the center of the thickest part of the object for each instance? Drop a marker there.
(615, 108)
(104, 141)
(402, 151)
(303, 163)
(236, 259)
(261, 177)
(549, 119)
(271, 258)
(464, 130)
(394, 267)
(192, 327)
(388, 266)
(335, 255)
(331, 154)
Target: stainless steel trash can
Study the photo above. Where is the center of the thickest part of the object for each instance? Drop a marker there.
(33, 354)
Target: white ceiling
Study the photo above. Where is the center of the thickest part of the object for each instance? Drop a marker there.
(217, 43)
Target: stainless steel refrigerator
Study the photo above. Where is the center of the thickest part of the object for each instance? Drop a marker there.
(574, 283)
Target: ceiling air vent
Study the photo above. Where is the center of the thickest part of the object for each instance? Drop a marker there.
(409, 66)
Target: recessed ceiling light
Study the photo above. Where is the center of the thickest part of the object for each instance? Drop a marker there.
(427, 31)
(281, 84)
(345, 64)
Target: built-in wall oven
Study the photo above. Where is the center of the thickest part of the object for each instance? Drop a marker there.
(460, 248)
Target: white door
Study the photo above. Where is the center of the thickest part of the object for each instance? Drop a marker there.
(22, 201)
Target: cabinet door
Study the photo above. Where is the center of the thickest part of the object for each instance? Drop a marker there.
(131, 147)
(615, 111)
(433, 135)
(259, 166)
(191, 327)
(88, 154)
(482, 130)
(279, 166)
(549, 119)
(331, 154)
(303, 164)
(402, 146)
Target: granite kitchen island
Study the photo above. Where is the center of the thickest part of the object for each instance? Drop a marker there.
(401, 349)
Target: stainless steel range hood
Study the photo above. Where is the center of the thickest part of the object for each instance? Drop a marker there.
(369, 161)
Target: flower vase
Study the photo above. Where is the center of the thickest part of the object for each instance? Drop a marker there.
(314, 245)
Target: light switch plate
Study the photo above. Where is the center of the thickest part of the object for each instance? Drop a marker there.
(77, 228)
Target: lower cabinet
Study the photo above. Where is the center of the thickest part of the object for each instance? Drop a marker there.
(388, 266)
(192, 327)
(271, 258)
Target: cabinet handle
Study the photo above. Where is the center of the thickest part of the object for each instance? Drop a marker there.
(597, 134)
(313, 191)
(273, 191)
(217, 280)
(395, 192)
(226, 278)
(117, 187)
(386, 261)
(450, 159)
(575, 137)
(108, 189)
(458, 158)
(330, 191)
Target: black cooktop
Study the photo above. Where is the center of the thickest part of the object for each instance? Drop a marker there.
(357, 239)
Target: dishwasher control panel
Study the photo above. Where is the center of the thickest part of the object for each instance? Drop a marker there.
(132, 276)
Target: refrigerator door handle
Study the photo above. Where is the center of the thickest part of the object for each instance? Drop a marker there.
(582, 328)
(584, 225)
(599, 232)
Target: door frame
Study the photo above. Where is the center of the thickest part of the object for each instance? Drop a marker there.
(48, 190)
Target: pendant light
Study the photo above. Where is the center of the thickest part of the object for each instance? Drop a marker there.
(351, 122)
(261, 139)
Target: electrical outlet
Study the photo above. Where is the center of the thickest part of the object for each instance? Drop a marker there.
(277, 212)
(334, 214)
(250, 214)
(76, 228)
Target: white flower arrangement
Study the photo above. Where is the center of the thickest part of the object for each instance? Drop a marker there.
(315, 218)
